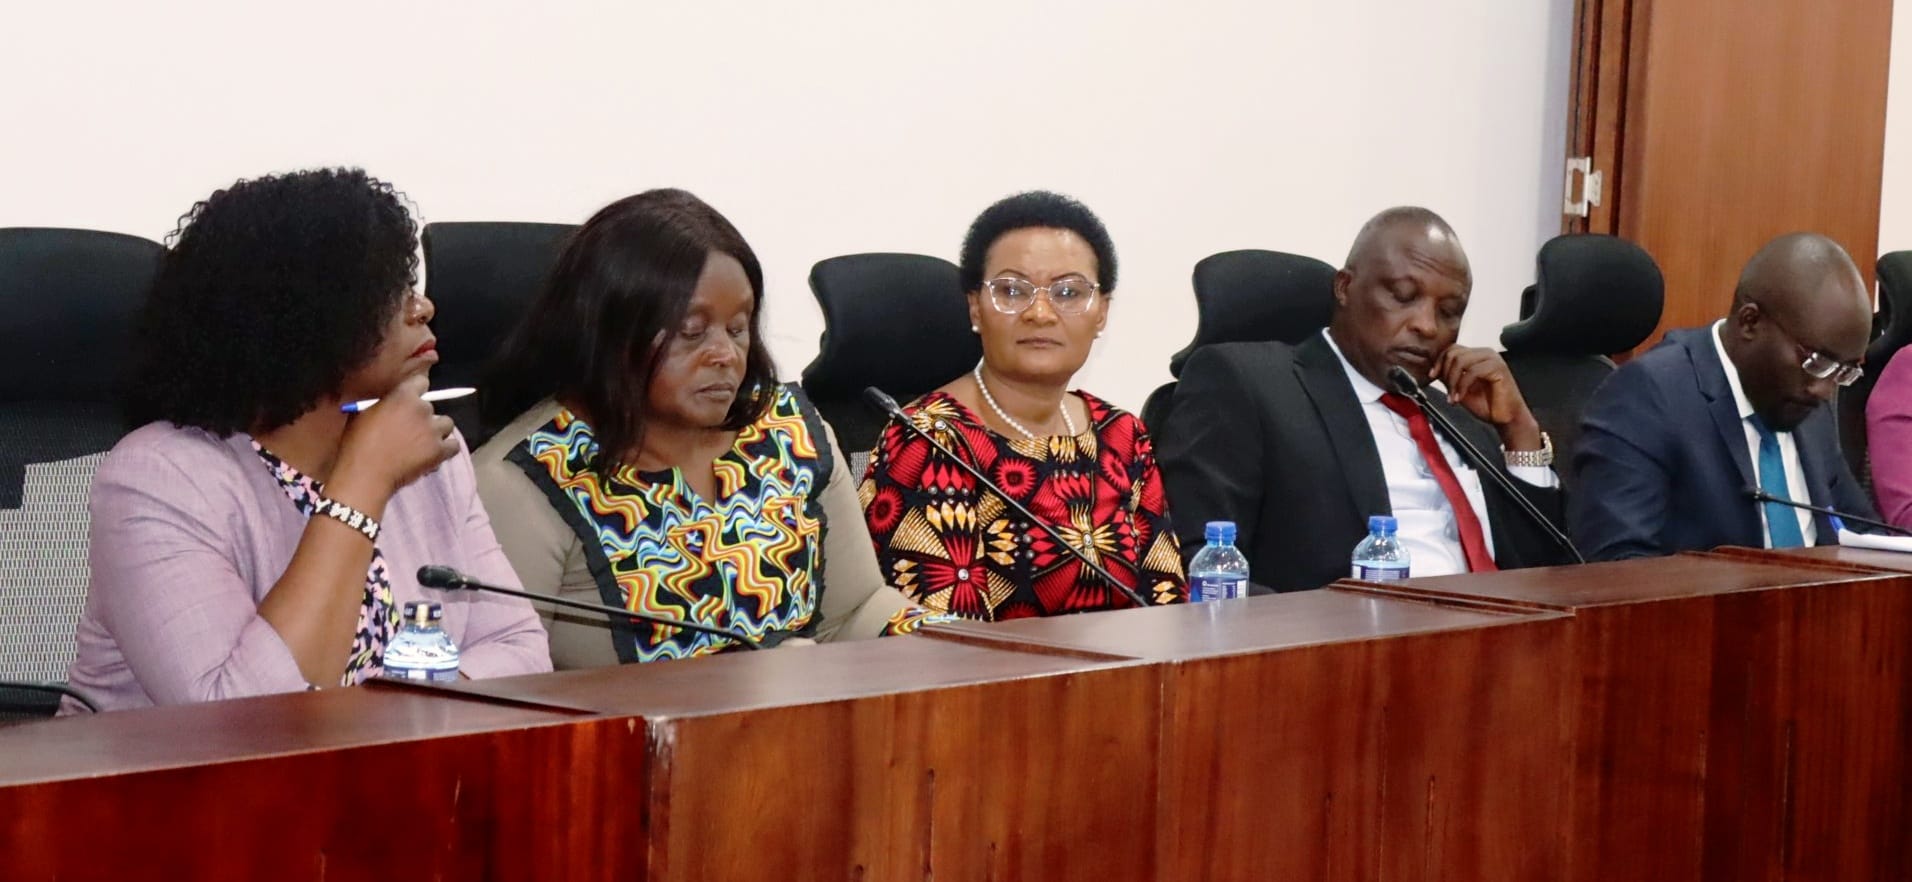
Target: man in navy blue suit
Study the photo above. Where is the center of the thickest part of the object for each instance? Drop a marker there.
(1676, 441)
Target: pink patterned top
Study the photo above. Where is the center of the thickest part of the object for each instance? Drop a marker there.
(190, 531)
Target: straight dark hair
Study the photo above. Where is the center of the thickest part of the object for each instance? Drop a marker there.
(621, 286)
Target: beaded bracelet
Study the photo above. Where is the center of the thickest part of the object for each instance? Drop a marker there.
(348, 516)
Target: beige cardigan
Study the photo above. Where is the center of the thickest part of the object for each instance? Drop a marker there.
(549, 557)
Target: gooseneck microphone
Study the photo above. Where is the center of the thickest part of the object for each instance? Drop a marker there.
(1758, 495)
(880, 400)
(448, 579)
(1405, 384)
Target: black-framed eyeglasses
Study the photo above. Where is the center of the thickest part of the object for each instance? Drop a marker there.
(1816, 364)
(1066, 296)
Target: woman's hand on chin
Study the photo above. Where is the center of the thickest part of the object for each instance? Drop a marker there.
(393, 443)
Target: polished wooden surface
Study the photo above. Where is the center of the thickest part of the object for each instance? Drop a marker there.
(1839, 556)
(887, 759)
(1741, 715)
(335, 785)
(1734, 718)
(1340, 735)
(780, 678)
(1254, 624)
(1721, 124)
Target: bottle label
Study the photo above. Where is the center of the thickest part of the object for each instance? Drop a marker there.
(1216, 587)
(1383, 573)
(427, 675)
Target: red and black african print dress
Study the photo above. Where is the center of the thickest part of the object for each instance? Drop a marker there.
(953, 546)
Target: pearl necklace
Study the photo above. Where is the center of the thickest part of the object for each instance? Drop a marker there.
(1062, 407)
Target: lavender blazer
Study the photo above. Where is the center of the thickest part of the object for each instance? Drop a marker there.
(1889, 438)
(189, 532)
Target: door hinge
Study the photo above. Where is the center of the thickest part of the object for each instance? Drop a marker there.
(1589, 187)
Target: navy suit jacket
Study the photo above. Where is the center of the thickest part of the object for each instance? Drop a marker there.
(1664, 465)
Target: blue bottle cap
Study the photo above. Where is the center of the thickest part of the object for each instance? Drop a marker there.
(1220, 532)
(1383, 524)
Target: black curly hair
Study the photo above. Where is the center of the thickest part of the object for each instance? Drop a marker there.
(1036, 208)
(272, 292)
(624, 281)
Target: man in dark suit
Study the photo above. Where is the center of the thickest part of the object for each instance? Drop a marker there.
(1299, 445)
(1674, 443)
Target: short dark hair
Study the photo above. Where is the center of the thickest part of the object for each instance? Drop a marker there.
(623, 281)
(1036, 208)
(270, 293)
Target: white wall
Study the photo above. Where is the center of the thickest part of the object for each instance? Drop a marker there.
(828, 127)
(1895, 210)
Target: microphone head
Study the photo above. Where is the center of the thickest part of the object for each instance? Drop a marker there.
(439, 576)
(1404, 382)
(881, 400)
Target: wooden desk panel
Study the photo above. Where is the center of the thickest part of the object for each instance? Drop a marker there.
(1736, 719)
(887, 759)
(343, 784)
(1047, 778)
(1344, 736)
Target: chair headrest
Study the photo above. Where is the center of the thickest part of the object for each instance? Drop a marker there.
(1592, 295)
(1254, 295)
(68, 302)
(1895, 310)
(898, 321)
(482, 276)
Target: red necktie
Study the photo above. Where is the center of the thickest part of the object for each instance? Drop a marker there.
(1473, 542)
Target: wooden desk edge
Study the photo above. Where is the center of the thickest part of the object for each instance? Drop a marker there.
(1769, 556)
(975, 634)
(1410, 594)
(474, 690)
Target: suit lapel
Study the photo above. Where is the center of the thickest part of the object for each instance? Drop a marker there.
(1711, 374)
(1352, 441)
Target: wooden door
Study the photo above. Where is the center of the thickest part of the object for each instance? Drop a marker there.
(1717, 125)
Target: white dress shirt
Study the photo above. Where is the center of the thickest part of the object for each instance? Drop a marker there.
(1426, 525)
(1788, 448)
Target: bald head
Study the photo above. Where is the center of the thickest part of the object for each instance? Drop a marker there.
(1801, 274)
(1799, 297)
(1400, 297)
(1414, 225)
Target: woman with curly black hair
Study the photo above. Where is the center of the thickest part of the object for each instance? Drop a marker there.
(251, 537)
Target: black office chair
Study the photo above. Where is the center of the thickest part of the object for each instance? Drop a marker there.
(1249, 295)
(22, 702)
(481, 277)
(895, 321)
(1891, 331)
(1592, 295)
(68, 303)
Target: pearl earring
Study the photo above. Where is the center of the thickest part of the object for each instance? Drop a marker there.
(975, 329)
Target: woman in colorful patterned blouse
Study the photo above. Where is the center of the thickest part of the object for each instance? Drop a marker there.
(1040, 270)
(659, 466)
(251, 537)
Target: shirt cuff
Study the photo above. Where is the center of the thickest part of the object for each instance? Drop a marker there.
(1538, 476)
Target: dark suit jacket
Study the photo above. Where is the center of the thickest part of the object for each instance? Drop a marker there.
(1664, 465)
(1270, 436)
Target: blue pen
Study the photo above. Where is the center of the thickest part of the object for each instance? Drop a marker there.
(434, 395)
(1838, 526)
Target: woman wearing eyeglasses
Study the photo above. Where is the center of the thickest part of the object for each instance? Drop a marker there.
(1039, 270)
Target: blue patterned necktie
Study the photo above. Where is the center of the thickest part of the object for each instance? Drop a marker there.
(1782, 525)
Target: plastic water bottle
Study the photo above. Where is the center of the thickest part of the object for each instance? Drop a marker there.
(421, 650)
(1219, 571)
(1380, 557)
